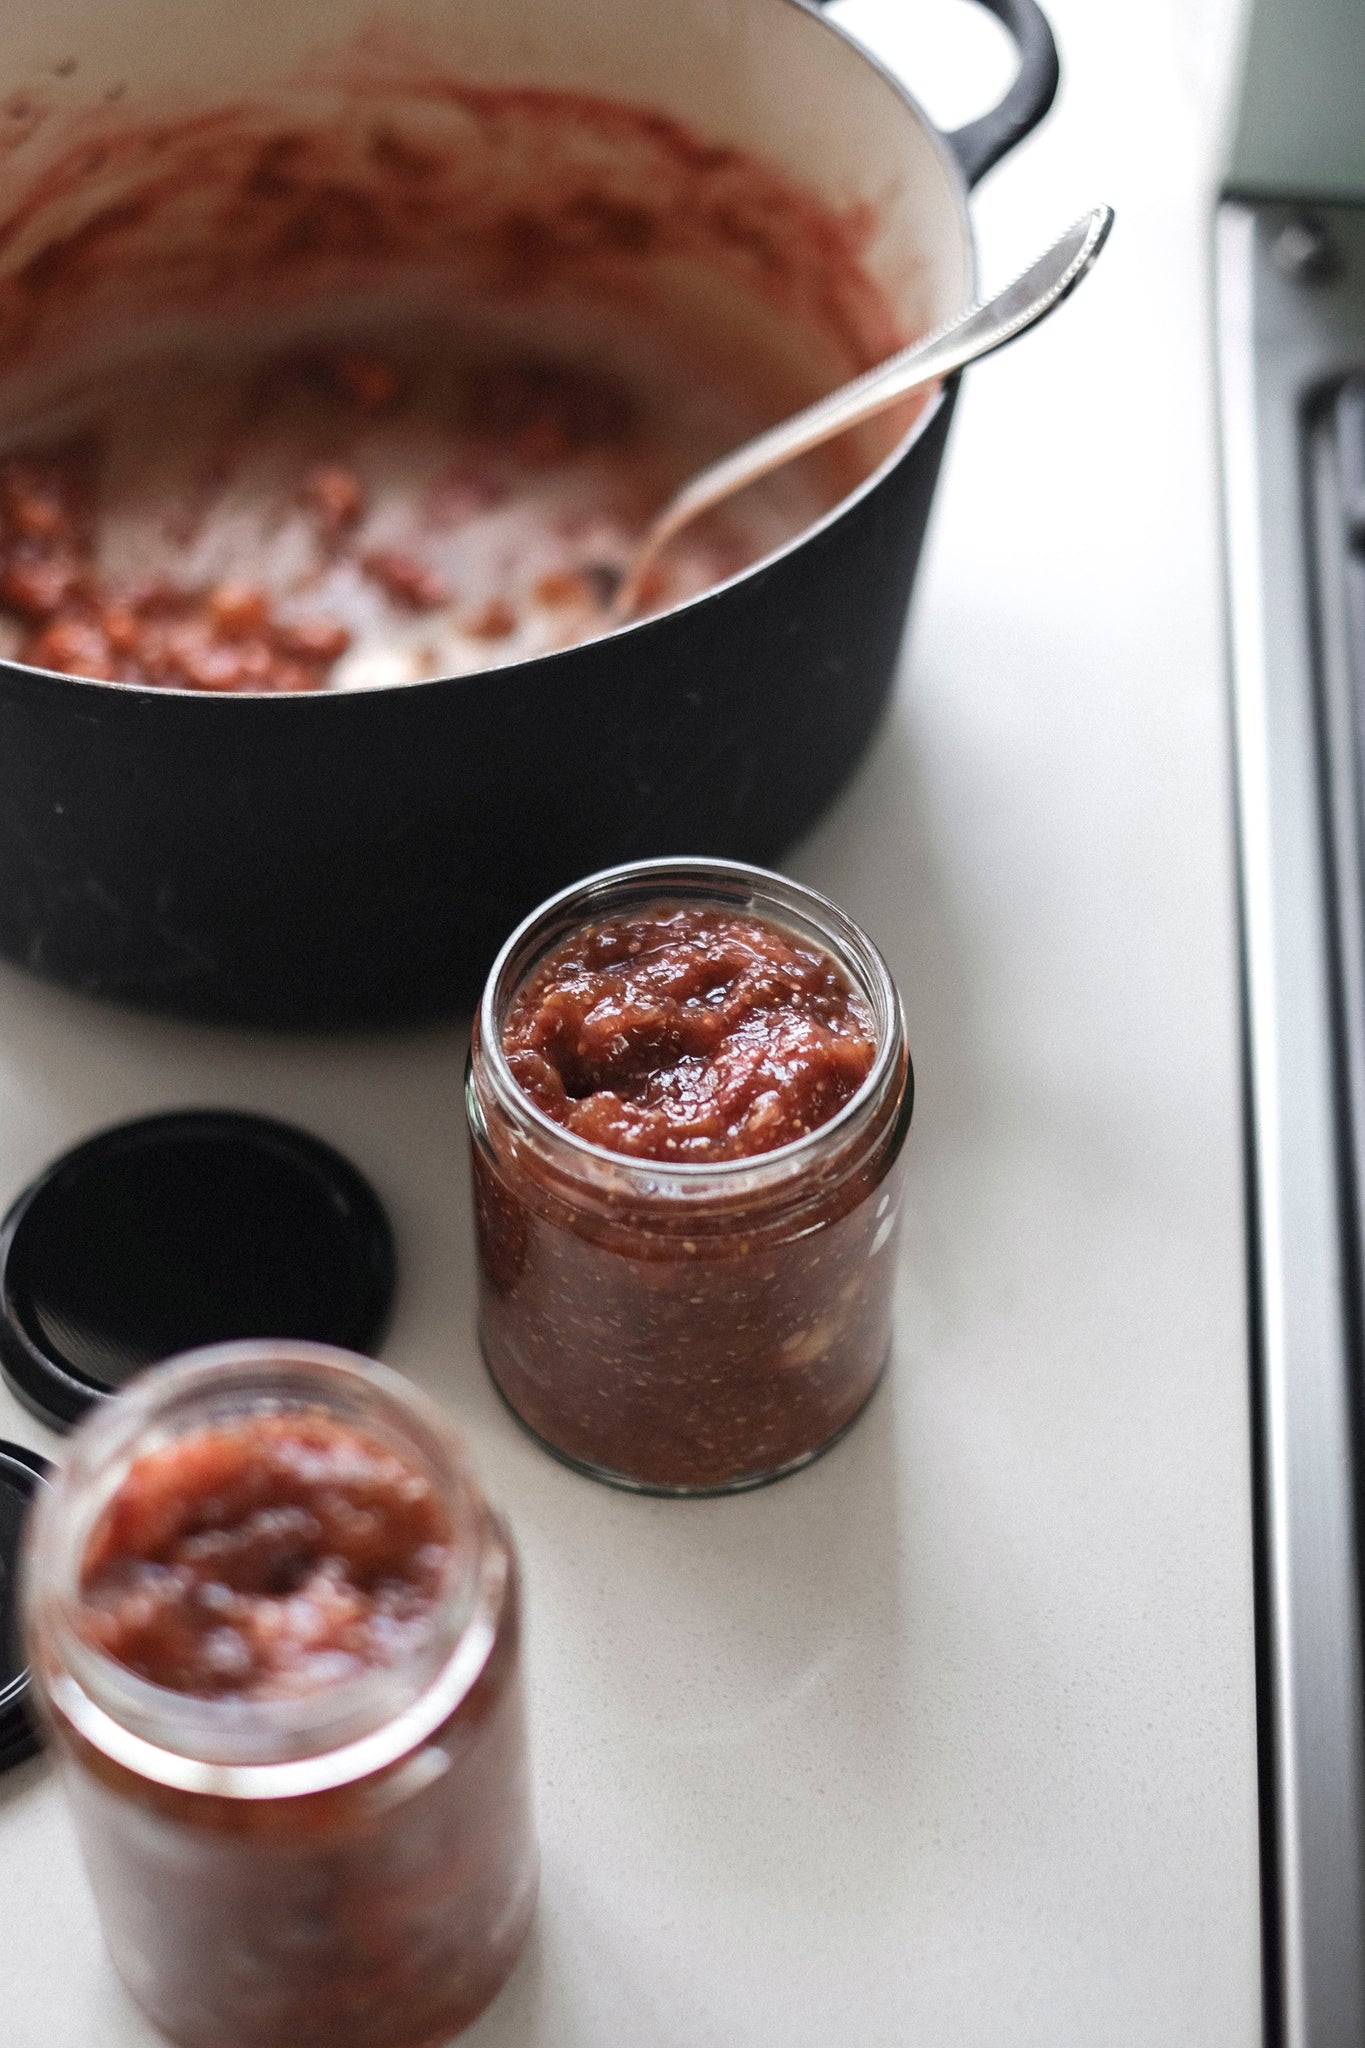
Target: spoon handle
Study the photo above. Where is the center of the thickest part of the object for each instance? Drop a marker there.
(975, 333)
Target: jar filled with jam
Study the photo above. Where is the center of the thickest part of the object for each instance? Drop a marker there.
(688, 1095)
(273, 1627)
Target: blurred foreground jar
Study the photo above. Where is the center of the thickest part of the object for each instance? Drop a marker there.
(274, 1630)
(685, 1325)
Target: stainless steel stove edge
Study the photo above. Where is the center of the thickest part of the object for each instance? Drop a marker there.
(1280, 337)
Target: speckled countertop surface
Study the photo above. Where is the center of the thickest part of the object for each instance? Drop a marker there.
(949, 1740)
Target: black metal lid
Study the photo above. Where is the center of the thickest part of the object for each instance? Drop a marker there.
(180, 1230)
(21, 1473)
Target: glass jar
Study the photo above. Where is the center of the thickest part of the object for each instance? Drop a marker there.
(354, 1868)
(687, 1328)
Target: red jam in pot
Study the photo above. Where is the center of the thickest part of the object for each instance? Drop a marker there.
(280, 1660)
(341, 518)
(388, 381)
(688, 1104)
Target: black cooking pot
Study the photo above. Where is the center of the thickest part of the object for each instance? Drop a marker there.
(343, 859)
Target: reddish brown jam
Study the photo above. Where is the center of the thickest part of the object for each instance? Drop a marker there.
(717, 1327)
(339, 516)
(392, 391)
(688, 1033)
(266, 1559)
(358, 1867)
(67, 613)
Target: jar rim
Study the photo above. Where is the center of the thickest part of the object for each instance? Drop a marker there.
(253, 1748)
(700, 878)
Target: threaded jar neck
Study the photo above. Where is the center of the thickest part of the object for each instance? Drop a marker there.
(503, 1115)
(258, 1747)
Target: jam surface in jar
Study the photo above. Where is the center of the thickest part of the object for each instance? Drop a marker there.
(688, 1032)
(265, 1559)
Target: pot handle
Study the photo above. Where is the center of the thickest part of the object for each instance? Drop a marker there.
(983, 142)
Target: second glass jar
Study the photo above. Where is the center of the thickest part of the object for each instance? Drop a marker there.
(350, 1868)
(687, 1327)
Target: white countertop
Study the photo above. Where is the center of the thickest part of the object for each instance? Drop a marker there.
(949, 1740)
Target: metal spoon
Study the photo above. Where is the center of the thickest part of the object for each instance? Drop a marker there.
(974, 333)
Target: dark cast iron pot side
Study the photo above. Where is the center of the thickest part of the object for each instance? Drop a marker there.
(357, 859)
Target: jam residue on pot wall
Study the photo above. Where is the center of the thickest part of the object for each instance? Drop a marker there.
(522, 190)
(391, 393)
